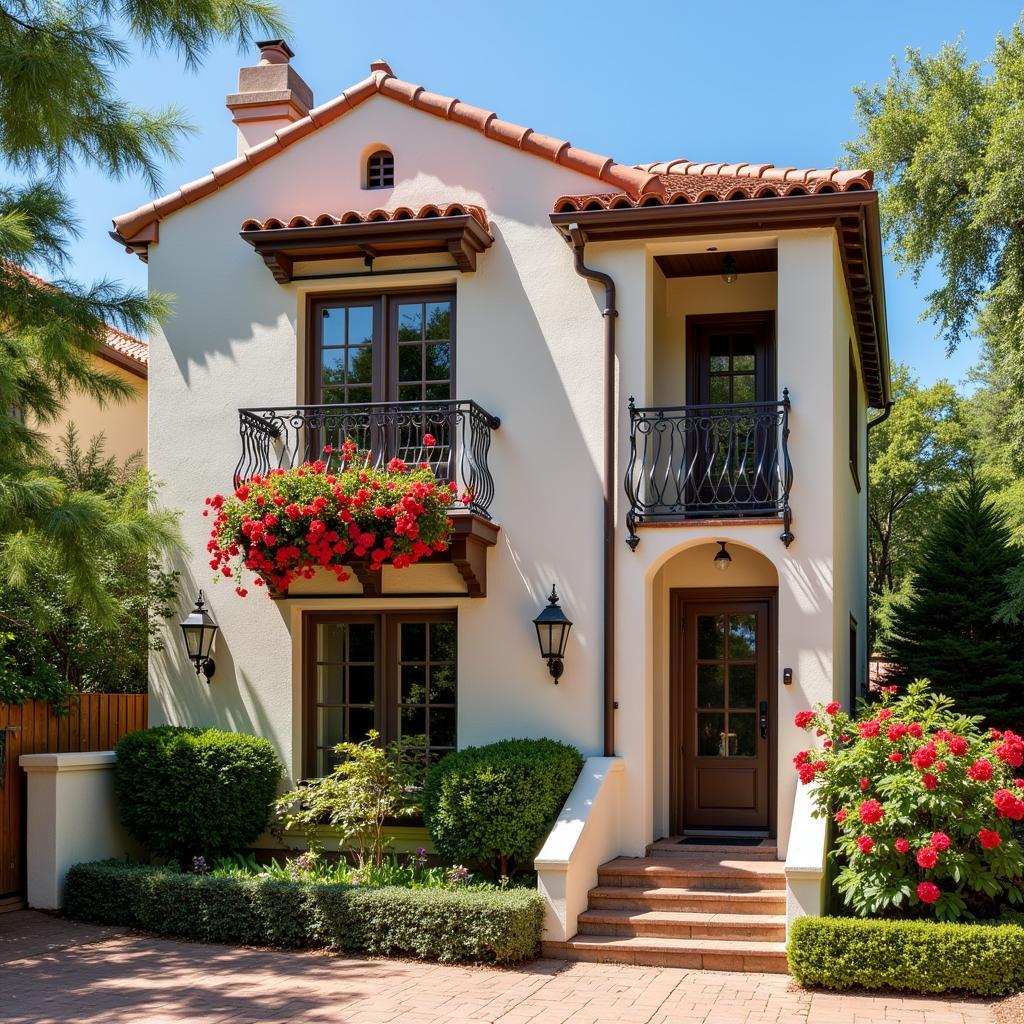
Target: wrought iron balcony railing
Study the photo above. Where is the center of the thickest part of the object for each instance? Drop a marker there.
(709, 462)
(287, 437)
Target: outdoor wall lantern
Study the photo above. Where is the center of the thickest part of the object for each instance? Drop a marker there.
(199, 630)
(553, 634)
(722, 559)
(729, 271)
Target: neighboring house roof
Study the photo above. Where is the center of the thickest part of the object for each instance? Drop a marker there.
(636, 182)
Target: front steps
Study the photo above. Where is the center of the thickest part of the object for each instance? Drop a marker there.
(700, 906)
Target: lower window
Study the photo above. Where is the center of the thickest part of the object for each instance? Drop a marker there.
(395, 672)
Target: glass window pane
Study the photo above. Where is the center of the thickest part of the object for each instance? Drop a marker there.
(360, 722)
(413, 642)
(330, 726)
(442, 641)
(360, 325)
(361, 636)
(718, 393)
(439, 315)
(711, 686)
(414, 725)
(710, 636)
(410, 362)
(442, 684)
(743, 742)
(743, 362)
(360, 396)
(332, 396)
(328, 641)
(442, 727)
(361, 684)
(332, 365)
(718, 351)
(410, 321)
(410, 393)
(329, 689)
(360, 365)
(742, 636)
(438, 392)
(711, 734)
(326, 760)
(414, 684)
(743, 389)
(742, 685)
(437, 362)
(334, 326)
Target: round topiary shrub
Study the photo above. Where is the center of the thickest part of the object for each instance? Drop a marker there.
(185, 792)
(496, 804)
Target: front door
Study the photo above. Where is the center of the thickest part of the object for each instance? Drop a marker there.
(723, 712)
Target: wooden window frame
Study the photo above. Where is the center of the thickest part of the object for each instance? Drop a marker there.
(384, 386)
(382, 176)
(853, 415)
(387, 691)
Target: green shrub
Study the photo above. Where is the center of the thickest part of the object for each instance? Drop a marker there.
(496, 804)
(188, 791)
(500, 926)
(922, 956)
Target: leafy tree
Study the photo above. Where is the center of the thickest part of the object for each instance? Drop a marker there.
(949, 630)
(944, 135)
(59, 109)
(913, 457)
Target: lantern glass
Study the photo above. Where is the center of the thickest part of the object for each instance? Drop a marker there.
(552, 628)
(199, 630)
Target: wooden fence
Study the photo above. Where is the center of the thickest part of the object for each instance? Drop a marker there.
(94, 721)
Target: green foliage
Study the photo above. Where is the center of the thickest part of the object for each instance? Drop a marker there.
(924, 804)
(369, 785)
(496, 804)
(437, 924)
(949, 631)
(919, 956)
(192, 791)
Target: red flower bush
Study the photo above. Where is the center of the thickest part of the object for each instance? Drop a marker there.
(326, 514)
(924, 805)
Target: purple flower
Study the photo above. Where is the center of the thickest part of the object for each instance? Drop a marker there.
(199, 866)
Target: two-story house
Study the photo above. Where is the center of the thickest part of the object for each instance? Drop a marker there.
(654, 379)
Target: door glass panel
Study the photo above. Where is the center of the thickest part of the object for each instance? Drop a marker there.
(743, 388)
(361, 636)
(719, 355)
(439, 316)
(442, 641)
(743, 741)
(442, 684)
(442, 727)
(414, 684)
(360, 365)
(437, 362)
(711, 734)
(414, 726)
(742, 636)
(360, 722)
(718, 392)
(414, 641)
(410, 359)
(329, 688)
(742, 685)
(410, 321)
(710, 636)
(711, 686)
(360, 325)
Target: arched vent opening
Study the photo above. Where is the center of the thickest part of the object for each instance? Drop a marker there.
(380, 169)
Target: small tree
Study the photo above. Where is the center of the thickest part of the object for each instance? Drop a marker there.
(949, 629)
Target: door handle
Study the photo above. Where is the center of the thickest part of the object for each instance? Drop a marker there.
(763, 709)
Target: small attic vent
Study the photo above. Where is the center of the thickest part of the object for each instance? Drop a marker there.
(380, 170)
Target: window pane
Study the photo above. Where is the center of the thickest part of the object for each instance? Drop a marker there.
(742, 636)
(334, 326)
(437, 362)
(743, 389)
(410, 393)
(413, 644)
(360, 365)
(413, 684)
(442, 727)
(742, 685)
(331, 726)
(719, 391)
(439, 316)
(710, 636)
(438, 392)
(410, 362)
(410, 322)
(442, 641)
(329, 690)
(360, 722)
(360, 325)
(718, 351)
(711, 734)
(743, 742)
(333, 366)
(329, 640)
(332, 396)
(361, 684)
(360, 396)
(361, 637)
(442, 684)
(711, 686)
(413, 724)
(743, 362)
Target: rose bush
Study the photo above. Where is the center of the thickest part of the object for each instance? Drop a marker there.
(925, 804)
(326, 514)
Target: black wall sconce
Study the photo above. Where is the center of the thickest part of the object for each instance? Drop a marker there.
(722, 559)
(553, 634)
(199, 629)
(787, 677)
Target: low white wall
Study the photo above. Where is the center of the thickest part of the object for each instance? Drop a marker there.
(805, 859)
(72, 817)
(586, 834)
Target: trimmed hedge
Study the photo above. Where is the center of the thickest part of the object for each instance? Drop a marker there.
(922, 956)
(185, 791)
(433, 924)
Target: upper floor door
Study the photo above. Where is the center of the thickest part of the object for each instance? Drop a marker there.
(731, 358)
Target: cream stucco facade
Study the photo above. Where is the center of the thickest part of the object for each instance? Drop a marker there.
(529, 340)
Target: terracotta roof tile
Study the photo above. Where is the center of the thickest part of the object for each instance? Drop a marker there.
(355, 217)
(633, 180)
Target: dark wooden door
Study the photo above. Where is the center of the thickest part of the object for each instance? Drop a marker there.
(731, 359)
(724, 713)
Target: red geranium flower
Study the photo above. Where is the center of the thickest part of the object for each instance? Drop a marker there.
(940, 841)
(871, 812)
(840, 816)
(866, 844)
(930, 781)
(869, 729)
(989, 839)
(802, 719)
(957, 745)
(834, 707)
(864, 783)
(981, 770)
(928, 892)
(902, 846)
(927, 857)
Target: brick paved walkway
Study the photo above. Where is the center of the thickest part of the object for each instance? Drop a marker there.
(58, 971)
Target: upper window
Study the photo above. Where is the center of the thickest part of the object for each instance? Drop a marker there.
(380, 169)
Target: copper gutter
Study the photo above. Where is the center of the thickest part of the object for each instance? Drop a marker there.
(609, 313)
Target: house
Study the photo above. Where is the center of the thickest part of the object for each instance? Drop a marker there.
(654, 379)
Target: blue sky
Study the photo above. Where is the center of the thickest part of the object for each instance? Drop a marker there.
(729, 82)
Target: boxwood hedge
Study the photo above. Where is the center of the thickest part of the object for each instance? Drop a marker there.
(921, 956)
(502, 926)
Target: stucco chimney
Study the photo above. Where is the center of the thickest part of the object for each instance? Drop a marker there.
(270, 95)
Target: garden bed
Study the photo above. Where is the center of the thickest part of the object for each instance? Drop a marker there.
(432, 923)
(917, 956)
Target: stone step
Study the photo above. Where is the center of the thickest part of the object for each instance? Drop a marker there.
(693, 873)
(766, 849)
(692, 954)
(684, 924)
(688, 900)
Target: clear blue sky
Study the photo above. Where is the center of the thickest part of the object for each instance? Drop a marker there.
(731, 82)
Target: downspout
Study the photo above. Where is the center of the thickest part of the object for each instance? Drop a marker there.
(609, 313)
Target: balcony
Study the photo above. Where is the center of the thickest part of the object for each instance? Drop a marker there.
(707, 462)
(285, 437)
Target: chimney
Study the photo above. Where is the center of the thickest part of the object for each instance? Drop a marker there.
(270, 95)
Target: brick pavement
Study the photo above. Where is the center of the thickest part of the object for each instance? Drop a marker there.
(59, 971)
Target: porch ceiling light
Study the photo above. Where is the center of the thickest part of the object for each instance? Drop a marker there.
(722, 559)
(199, 629)
(729, 271)
(553, 634)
